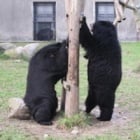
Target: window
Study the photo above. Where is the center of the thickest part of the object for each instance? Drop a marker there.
(44, 20)
(105, 11)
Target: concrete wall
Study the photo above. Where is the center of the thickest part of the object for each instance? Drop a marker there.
(61, 26)
(16, 20)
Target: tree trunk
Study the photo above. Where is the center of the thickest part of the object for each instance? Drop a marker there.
(73, 12)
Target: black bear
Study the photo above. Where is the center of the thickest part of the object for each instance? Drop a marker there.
(103, 52)
(46, 68)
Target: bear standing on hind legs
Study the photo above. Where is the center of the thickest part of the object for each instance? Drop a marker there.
(104, 66)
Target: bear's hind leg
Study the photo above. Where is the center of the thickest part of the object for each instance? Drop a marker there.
(90, 101)
(106, 106)
(106, 114)
(42, 115)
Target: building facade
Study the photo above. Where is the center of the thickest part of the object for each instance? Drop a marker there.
(29, 20)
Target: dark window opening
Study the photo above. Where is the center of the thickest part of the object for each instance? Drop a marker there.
(44, 21)
(105, 11)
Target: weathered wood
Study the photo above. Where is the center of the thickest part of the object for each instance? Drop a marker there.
(125, 4)
(119, 10)
(120, 5)
(72, 91)
(63, 96)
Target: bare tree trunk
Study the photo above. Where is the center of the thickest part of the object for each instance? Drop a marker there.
(73, 12)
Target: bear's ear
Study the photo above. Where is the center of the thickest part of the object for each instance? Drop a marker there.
(65, 43)
(83, 19)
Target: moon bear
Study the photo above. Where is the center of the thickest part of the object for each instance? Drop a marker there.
(103, 52)
(46, 68)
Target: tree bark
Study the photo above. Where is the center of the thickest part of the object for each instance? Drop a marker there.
(73, 12)
(125, 4)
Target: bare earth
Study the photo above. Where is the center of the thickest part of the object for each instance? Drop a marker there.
(119, 124)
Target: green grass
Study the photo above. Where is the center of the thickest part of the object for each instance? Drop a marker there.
(129, 88)
(135, 135)
(131, 56)
(13, 79)
(14, 134)
(80, 120)
(2, 56)
(13, 75)
(105, 137)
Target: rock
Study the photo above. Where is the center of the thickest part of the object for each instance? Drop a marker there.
(116, 105)
(75, 131)
(29, 50)
(19, 50)
(46, 136)
(14, 53)
(25, 52)
(18, 109)
(7, 46)
(124, 118)
(17, 61)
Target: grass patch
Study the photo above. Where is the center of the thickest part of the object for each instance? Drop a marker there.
(14, 134)
(103, 137)
(3, 56)
(13, 80)
(130, 55)
(80, 120)
(137, 70)
(13, 75)
(128, 91)
(135, 135)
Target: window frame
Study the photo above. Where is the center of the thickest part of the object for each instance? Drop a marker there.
(35, 21)
(103, 3)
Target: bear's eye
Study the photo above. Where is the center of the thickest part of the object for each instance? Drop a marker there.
(52, 55)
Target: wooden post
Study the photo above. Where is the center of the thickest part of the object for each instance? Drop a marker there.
(74, 11)
(63, 96)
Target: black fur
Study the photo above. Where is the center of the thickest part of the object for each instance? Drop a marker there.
(46, 68)
(104, 66)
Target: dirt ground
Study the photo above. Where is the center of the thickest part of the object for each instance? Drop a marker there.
(119, 124)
